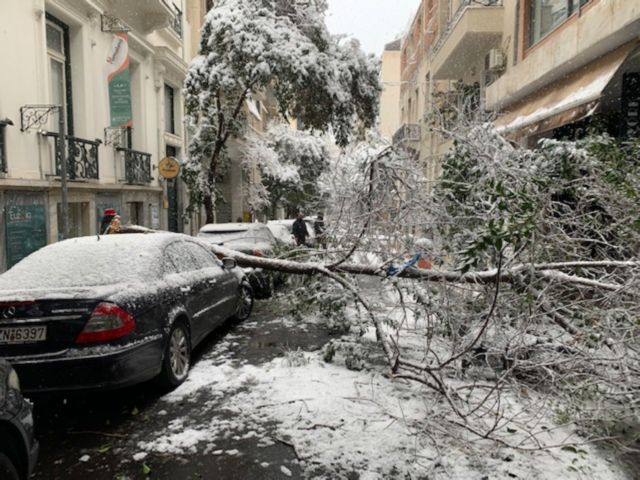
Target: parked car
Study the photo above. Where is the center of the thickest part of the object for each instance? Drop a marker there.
(288, 224)
(18, 447)
(110, 311)
(281, 233)
(248, 238)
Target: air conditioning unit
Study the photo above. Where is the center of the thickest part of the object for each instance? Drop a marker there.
(495, 60)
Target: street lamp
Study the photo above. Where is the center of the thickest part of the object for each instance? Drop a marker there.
(36, 116)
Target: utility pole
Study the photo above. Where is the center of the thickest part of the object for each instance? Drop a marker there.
(63, 172)
(37, 116)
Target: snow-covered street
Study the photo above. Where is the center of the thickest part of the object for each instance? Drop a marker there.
(261, 402)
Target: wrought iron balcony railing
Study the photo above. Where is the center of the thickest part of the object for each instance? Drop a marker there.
(409, 132)
(82, 157)
(137, 166)
(176, 18)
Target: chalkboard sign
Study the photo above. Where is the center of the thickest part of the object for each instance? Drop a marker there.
(26, 231)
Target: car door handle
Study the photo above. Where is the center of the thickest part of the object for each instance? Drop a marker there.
(185, 289)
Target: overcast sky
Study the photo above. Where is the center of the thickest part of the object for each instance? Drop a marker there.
(373, 22)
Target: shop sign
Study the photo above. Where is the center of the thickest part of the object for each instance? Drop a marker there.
(169, 167)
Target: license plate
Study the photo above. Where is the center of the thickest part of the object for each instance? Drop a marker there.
(17, 335)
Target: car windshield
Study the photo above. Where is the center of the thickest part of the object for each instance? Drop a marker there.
(86, 262)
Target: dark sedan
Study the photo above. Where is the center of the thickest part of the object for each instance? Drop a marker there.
(251, 239)
(110, 311)
(18, 448)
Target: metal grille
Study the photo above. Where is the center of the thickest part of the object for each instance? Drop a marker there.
(137, 166)
(82, 158)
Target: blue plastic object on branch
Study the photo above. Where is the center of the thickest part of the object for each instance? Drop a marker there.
(395, 269)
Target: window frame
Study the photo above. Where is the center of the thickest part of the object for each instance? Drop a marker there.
(64, 58)
(170, 91)
(574, 7)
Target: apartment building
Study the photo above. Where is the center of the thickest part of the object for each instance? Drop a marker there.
(538, 68)
(569, 65)
(108, 73)
(390, 97)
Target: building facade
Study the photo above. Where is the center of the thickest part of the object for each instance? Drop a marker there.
(572, 65)
(390, 97)
(113, 69)
(538, 68)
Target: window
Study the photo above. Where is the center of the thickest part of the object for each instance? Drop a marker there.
(3, 149)
(57, 34)
(203, 257)
(169, 110)
(546, 15)
(181, 258)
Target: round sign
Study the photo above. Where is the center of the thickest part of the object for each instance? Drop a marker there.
(169, 167)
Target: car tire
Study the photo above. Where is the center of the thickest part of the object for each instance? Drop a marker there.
(245, 303)
(177, 356)
(7, 468)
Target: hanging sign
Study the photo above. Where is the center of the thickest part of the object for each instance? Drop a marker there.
(169, 167)
(119, 80)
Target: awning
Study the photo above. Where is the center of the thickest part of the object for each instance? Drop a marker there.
(573, 98)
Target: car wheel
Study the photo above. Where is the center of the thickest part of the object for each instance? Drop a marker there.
(245, 303)
(7, 468)
(177, 356)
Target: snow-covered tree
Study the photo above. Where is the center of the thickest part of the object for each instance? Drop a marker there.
(290, 163)
(535, 293)
(250, 46)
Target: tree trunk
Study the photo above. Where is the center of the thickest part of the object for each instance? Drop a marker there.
(208, 209)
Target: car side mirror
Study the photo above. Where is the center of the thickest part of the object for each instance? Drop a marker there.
(229, 263)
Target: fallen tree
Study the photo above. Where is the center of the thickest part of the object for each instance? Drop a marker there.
(534, 290)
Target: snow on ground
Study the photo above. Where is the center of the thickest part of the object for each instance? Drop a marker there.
(343, 421)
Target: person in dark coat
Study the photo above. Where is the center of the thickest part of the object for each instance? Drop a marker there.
(300, 231)
(319, 229)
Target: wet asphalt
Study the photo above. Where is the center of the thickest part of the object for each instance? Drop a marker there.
(95, 436)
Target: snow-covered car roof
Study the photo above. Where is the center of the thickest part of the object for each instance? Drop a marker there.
(90, 261)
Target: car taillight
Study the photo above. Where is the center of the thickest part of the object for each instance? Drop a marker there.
(258, 253)
(107, 322)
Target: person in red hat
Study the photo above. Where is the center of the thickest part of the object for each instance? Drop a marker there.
(110, 222)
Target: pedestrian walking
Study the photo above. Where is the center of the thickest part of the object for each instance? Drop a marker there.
(110, 222)
(319, 230)
(300, 231)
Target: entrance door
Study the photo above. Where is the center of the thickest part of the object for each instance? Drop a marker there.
(172, 194)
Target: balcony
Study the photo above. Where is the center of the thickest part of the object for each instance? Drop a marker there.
(137, 166)
(144, 16)
(82, 157)
(473, 31)
(175, 23)
(409, 132)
